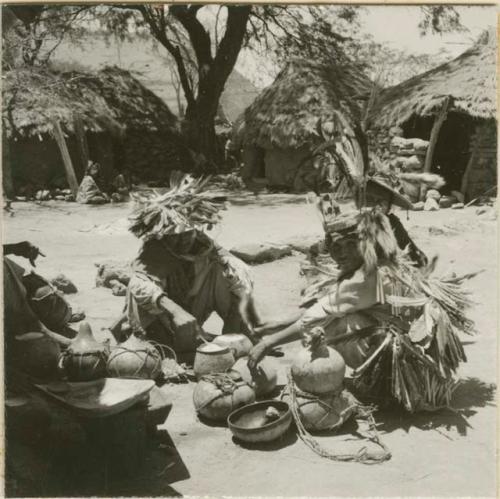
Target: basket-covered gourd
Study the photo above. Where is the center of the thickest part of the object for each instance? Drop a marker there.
(135, 358)
(317, 368)
(217, 395)
(325, 412)
(263, 377)
(85, 358)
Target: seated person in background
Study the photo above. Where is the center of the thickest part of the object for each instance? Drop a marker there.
(89, 191)
(31, 304)
(120, 191)
(181, 275)
(360, 244)
(380, 193)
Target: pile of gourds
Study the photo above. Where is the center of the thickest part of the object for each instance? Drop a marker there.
(225, 382)
(318, 374)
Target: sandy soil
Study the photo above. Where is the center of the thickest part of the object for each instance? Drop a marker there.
(444, 454)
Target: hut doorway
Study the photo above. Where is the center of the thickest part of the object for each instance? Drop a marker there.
(452, 151)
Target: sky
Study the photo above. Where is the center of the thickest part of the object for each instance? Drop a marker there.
(396, 26)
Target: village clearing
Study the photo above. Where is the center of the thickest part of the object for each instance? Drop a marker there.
(442, 454)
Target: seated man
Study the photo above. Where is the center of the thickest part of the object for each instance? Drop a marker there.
(89, 191)
(30, 303)
(360, 244)
(181, 277)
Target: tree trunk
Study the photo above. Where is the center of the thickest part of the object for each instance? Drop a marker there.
(199, 129)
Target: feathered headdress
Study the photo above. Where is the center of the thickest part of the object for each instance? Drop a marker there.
(182, 208)
(377, 242)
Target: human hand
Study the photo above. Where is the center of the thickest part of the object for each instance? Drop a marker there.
(257, 353)
(27, 250)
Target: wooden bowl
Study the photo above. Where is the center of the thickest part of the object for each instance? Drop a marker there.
(247, 422)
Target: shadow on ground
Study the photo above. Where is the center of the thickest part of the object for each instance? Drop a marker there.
(471, 394)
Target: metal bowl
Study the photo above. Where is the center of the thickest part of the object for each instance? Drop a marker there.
(248, 422)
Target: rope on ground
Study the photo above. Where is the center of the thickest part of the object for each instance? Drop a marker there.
(362, 456)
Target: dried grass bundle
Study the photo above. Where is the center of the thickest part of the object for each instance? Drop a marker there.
(419, 353)
(182, 208)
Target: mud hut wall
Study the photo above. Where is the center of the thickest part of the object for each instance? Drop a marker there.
(37, 162)
(152, 155)
(281, 165)
(483, 173)
(7, 181)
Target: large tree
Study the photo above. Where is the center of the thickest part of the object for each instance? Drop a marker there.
(204, 42)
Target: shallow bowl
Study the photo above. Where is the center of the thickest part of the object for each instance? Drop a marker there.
(246, 423)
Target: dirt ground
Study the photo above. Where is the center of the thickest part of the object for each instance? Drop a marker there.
(441, 454)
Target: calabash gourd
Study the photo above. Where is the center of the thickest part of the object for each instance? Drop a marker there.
(85, 358)
(134, 358)
(217, 395)
(326, 412)
(318, 368)
(263, 377)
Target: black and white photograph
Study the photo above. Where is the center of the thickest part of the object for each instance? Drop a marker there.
(250, 250)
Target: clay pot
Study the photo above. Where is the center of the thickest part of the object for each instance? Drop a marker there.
(318, 368)
(211, 359)
(85, 358)
(263, 378)
(216, 396)
(321, 413)
(134, 358)
(238, 343)
(37, 355)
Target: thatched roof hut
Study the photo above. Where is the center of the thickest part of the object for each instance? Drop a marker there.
(125, 125)
(286, 114)
(469, 79)
(280, 129)
(111, 98)
(453, 107)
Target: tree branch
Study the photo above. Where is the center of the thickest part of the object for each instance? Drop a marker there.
(198, 35)
(174, 50)
(211, 87)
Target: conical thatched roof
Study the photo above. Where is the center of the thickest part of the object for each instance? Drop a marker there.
(109, 100)
(469, 79)
(287, 113)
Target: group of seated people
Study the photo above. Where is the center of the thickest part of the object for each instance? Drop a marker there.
(180, 279)
(91, 190)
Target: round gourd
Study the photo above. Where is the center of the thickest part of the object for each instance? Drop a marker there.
(216, 396)
(325, 412)
(318, 368)
(134, 358)
(263, 378)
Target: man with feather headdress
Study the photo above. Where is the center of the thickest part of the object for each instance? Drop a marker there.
(181, 275)
(394, 324)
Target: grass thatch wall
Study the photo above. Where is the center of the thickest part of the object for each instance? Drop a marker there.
(287, 113)
(470, 80)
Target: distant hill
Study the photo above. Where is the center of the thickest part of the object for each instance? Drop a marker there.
(149, 67)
